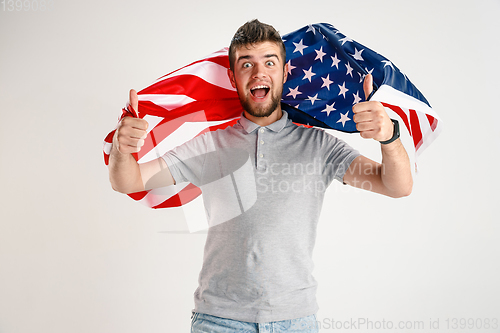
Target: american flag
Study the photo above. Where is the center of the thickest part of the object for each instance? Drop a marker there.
(325, 79)
(179, 106)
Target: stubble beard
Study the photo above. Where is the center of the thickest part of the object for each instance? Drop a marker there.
(263, 110)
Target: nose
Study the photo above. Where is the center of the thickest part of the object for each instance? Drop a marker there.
(259, 71)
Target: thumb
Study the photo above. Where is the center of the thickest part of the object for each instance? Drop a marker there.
(134, 102)
(368, 86)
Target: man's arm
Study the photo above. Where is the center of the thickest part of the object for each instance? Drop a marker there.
(393, 176)
(125, 174)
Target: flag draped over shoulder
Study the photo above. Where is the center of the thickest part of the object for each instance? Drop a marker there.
(325, 79)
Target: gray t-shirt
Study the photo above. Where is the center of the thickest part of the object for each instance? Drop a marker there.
(257, 265)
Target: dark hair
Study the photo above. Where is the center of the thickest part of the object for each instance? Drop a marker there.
(254, 32)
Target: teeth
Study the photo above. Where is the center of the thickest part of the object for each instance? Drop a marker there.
(260, 87)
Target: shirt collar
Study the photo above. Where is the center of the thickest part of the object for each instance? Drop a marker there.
(249, 126)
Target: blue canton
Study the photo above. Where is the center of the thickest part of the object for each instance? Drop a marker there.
(326, 73)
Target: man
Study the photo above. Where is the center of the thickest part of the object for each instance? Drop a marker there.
(256, 272)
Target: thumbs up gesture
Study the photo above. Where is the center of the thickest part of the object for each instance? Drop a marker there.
(131, 131)
(370, 117)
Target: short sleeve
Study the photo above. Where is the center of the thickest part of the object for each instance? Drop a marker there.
(186, 161)
(338, 156)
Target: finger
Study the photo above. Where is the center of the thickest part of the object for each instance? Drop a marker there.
(134, 102)
(124, 149)
(362, 117)
(368, 134)
(132, 133)
(127, 144)
(136, 133)
(132, 142)
(363, 107)
(366, 126)
(137, 123)
(368, 86)
(371, 113)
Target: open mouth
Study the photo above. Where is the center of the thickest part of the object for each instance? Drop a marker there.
(259, 91)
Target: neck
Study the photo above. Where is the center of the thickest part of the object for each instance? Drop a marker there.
(264, 121)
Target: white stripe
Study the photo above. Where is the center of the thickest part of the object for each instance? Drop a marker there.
(392, 114)
(392, 96)
(184, 133)
(206, 70)
(107, 148)
(153, 121)
(428, 135)
(168, 102)
(388, 94)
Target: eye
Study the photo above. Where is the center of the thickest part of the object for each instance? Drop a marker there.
(247, 65)
(269, 63)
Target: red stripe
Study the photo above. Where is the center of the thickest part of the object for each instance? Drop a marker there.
(304, 125)
(190, 192)
(189, 85)
(217, 104)
(188, 113)
(106, 159)
(108, 139)
(415, 129)
(220, 126)
(432, 122)
(187, 194)
(138, 195)
(215, 109)
(222, 60)
(412, 124)
(400, 113)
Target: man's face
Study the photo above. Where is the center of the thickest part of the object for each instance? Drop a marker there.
(258, 77)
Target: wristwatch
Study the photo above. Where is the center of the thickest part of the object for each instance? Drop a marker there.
(395, 134)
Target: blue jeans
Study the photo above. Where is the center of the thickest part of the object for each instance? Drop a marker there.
(203, 323)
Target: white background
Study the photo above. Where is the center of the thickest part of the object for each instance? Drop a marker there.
(77, 257)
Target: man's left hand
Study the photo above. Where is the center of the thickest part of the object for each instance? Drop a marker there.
(370, 117)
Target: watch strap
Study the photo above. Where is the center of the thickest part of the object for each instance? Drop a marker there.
(395, 133)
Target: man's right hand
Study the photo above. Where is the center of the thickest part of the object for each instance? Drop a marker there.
(131, 131)
(125, 174)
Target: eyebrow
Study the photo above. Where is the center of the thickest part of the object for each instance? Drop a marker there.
(267, 56)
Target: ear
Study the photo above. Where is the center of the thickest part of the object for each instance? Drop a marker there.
(285, 72)
(230, 73)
